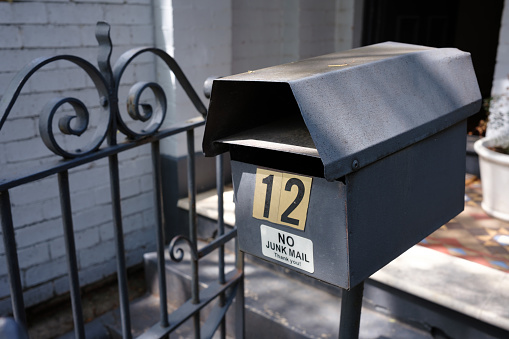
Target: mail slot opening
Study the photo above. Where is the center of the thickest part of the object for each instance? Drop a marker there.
(251, 105)
(284, 144)
(271, 132)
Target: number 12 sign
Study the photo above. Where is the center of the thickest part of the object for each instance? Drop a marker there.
(281, 198)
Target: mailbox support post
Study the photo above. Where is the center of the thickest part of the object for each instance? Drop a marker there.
(351, 305)
(220, 232)
(240, 328)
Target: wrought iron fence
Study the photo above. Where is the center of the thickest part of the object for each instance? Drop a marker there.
(106, 80)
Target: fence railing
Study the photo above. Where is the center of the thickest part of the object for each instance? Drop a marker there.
(103, 144)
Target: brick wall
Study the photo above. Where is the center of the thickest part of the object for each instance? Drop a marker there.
(272, 32)
(265, 33)
(30, 29)
(199, 36)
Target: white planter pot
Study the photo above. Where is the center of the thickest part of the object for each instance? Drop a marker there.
(494, 168)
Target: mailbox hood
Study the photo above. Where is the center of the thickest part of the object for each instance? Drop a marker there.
(345, 110)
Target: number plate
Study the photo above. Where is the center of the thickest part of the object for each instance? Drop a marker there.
(281, 198)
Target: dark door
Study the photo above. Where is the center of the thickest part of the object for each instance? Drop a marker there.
(428, 23)
(468, 25)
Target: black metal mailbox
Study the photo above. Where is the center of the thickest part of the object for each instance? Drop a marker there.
(342, 162)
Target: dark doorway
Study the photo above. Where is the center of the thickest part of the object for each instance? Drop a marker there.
(467, 25)
(428, 23)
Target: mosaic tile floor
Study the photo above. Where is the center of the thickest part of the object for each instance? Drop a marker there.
(473, 235)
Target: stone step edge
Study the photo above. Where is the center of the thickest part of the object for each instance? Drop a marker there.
(260, 315)
(463, 286)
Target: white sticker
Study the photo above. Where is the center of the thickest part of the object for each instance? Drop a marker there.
(288, 248)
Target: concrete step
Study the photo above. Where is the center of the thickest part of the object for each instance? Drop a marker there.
(277, 305)
(144, 314)
(464, 298)
(284, 304)
(421, 294)
(422, 287)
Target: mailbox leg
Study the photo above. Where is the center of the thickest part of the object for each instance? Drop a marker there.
(351, 305)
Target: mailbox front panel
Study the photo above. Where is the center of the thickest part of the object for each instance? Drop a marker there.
(292, 220)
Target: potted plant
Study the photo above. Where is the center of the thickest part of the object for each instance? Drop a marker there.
(493, 151)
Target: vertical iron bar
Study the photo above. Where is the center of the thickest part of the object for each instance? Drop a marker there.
(119, 247)
(158, 199)
(220, 231)
(220, 212)
(239, 297)
(191, 189)
(11, 255)
(351, 305)
(72, 266)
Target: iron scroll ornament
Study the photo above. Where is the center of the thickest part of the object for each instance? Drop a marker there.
(106, 82)
(46, 118)
(177, 253)
(135, 92)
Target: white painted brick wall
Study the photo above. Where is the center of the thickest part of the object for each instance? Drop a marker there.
(97, 254)
(348, 24)
(11, 37)
(199, 35)
(31, 29)
(34, 255)
(44, 272)
(267, 32)
(38, 232)
(23, 13)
